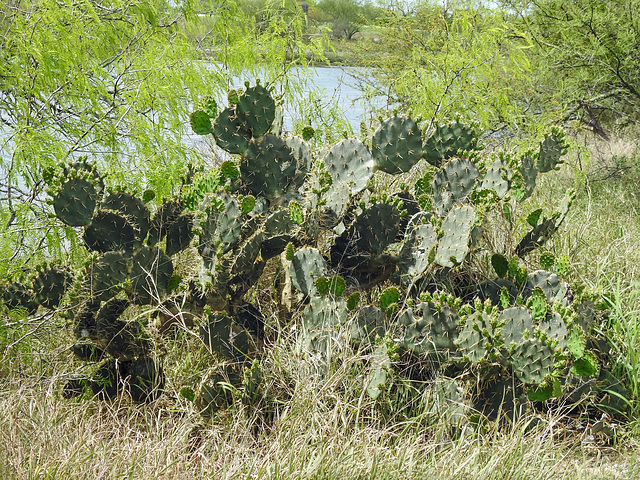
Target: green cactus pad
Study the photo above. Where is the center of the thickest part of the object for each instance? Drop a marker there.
(500, 264)
(615, 398)
(303, 156)
(454, 183)
(201, 122)
(150, 274)
(376, 228)
(231, 134)
(268, 166)
(248, 254)
(350, 166)
(388, 297)
(278, 223)
(547, 260)
(586, 366)
(368, 323)
(75, 202)
(415, 336)
(248, 204)
(124, 340)
(553, 287)
(88, 351)
(220, 226)
(132, 208)
(476, 337)
(146, 379)
(443, 323)
(414, 256)
(321, 320)
(105, 276)
(453, 246)
(495, 290)
(501, 397)
(446, 141)
(221, 336)
(397, 145)
(537, 236)
(106, 380)
(217, 389)
(498, 178)
(18, 296)
(162, 220)
(517, 325)
(50, 286)
(85, 320)
(180, 234)
(529, 173)
(256, 109)
(532, 361)
(380, 364)
(551, 149)
(110, 231)
(307, 265)
(555, 329)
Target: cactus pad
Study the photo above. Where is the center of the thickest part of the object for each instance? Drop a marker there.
(397, 145)
(476, 337)
(369, 323)
(231, 133)
(201, 122)
(109, 231)
(150, 273)
(75, 202)
(517, 325)
(454, 183)
(106, 275)
(16, 295)
(132, 208)
(50, 286)
(446, 141)
(180, 234)
(376, 228)
(532, 361)
(268, 166)
(453, 246)
(256, 109)
(498, 178)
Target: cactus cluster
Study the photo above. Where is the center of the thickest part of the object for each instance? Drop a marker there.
(387, 272)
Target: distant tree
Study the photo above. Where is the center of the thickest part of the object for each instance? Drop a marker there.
(347, 17)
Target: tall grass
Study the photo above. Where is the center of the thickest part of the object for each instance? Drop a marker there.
(316, 436)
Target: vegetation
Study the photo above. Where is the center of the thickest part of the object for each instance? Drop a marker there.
(454, 292)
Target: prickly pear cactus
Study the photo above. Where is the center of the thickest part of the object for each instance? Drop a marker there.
(397, 145)
(421, 278)
(446, 141)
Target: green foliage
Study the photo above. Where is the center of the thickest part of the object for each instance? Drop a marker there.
(585, 55)
(463, 64)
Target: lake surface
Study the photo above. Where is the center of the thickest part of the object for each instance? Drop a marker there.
(340, 87)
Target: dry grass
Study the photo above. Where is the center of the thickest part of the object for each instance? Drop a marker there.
(45, 436)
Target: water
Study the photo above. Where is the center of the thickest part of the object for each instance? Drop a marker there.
(339, 87)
